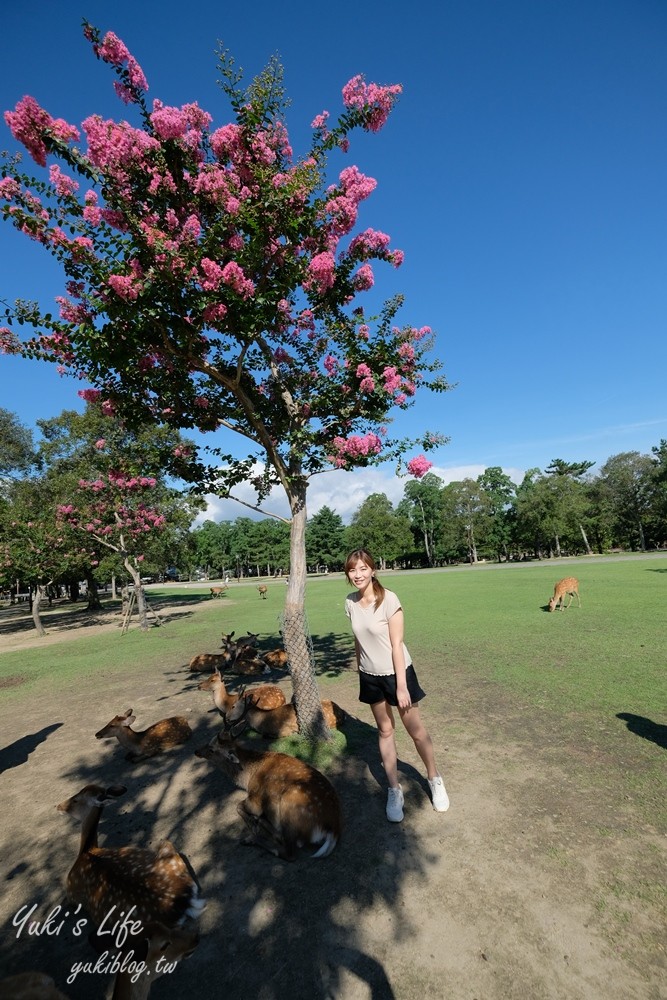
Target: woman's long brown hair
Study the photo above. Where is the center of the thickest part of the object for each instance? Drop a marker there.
(361, 555)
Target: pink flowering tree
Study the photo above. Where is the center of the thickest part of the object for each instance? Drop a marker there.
(114, 511)
(215, 280)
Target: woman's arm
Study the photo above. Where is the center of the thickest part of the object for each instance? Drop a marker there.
(398, 658)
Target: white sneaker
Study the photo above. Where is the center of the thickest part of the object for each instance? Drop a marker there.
(395, 805)
(439, 794)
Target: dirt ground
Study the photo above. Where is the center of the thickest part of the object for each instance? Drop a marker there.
(538, 884)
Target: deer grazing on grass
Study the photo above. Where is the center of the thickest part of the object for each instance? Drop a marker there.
(264, 696)
(277, 722)
(110, 881)
(569, 585)
(262, 588)
(159, 945)
(289, 804)
(160, 736)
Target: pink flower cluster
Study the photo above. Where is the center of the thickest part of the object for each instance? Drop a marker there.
(375, 100)
(28, 123)
(419, 466)
(114, 51)
(64, 185)
(234, 277)
(353, 448)
(321, 273)
(187, 123)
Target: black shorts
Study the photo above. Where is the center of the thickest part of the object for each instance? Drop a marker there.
(374, 688)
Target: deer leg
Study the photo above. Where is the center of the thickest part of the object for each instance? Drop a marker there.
(263, 833)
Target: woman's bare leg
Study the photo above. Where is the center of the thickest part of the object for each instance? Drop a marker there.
(384, 719)
(416, 729)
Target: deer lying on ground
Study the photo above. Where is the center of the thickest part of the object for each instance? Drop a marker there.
(282, 721)
(218, 591)
(262, 588)
(569, 585)
(203, 662)
(276, 659)
(160, 736)
(159, 945)
(289, 803)
(264, 696)
(110, 880)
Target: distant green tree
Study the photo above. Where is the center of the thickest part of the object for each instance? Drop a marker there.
(377, 528)
(214, 543)
(499, 491)
(325, 539)
(423, 497)
(17, 453)
(627, 480)
(468, 507)
(269, 539)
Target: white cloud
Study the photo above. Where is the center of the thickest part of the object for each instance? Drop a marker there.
(343, 492)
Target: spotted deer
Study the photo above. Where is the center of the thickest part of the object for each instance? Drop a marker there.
(159, 946)
(569, 585)
(203, 662)
(276, 722)
(111, 881)
(264, 696)
(160, 736)
(276, 659)
(289, 804)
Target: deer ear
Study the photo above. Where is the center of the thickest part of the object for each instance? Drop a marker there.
(114, 792)
(129, 712)
(230, 755)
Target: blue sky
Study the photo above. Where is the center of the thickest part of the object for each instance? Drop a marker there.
(523, 173)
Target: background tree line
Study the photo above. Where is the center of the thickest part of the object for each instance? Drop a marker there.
(563, 510)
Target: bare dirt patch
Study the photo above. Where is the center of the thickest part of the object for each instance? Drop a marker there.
(540, 883)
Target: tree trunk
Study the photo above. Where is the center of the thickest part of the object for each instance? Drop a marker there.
(558, 552)
(139, 594)
(589, 550)
(94, 602)
(114, 592)
(642, 539)
(295, 633)
(39, 594)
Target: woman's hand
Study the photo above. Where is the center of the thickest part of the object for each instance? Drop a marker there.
(403, 698)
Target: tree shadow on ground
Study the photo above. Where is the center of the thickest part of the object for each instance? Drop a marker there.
(654, 732)
(271, 929)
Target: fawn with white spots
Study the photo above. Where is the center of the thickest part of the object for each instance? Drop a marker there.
(160, 736)
(568, 585)
(289, 804)
(110, 881)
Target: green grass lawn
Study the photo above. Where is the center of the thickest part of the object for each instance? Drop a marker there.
(574, 670)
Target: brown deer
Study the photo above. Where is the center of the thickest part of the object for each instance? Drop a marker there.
(276, 659)
(218, 591)
(289, 804)
(203, 662)
(569, 585)
(160, 736)
(159, 945)
(282, 721)
(110, 881)
(262, 588)
(264, 696)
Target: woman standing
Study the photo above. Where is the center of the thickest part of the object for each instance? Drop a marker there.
(387, 678)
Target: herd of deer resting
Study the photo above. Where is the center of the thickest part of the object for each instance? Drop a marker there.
(289, 805)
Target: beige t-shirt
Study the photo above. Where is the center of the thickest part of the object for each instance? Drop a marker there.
(371, 630)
